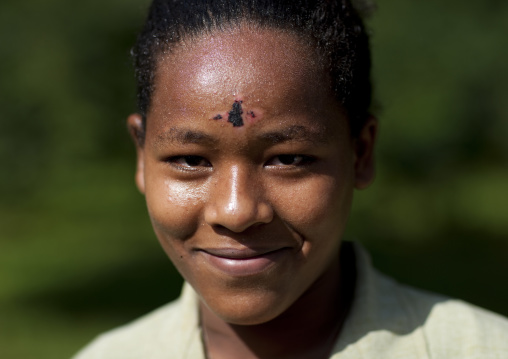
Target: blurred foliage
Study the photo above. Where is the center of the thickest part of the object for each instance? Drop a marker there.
(77, 253)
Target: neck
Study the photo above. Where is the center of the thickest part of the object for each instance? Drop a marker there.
(296, 333)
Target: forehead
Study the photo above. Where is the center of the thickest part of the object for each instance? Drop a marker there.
(258, 65)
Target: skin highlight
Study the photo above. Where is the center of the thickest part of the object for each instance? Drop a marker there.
(279, 188)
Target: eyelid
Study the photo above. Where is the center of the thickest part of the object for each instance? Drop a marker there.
(175, 162)
(304, 160)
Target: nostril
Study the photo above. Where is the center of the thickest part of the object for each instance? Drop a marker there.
(219, 228)
(237, 231)
(239, 219)
(237, 201)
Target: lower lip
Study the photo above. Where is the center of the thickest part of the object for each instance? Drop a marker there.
(238, 267)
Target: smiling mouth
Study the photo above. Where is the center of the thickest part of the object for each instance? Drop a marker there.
(243, 262)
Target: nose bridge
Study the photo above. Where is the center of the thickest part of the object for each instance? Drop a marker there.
(242, 189)
(235, 184)
(238, 200)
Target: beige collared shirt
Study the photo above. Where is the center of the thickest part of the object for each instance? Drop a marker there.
(387, 321)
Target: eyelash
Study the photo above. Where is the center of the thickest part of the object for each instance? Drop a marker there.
(193, 163)
(283, 159)
(189, 159)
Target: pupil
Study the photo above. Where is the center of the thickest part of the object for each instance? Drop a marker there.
(193, 160)
(287, 159)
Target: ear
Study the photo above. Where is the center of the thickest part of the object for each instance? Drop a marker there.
(137, 132)
(364, 154)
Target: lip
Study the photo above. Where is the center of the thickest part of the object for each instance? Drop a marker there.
(242, 262)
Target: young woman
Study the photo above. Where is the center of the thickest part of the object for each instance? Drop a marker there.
(252, 134)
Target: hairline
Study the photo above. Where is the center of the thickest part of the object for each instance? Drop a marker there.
(193, 37)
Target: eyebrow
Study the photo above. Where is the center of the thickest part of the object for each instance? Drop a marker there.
(291, 133)
(184, 136)
(297, 133)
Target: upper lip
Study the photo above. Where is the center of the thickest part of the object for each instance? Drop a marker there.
(239, 253)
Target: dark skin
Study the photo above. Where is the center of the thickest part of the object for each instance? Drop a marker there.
(252, 215)
(323, 325)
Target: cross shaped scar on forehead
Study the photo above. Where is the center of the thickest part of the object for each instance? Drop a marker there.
(235, 115)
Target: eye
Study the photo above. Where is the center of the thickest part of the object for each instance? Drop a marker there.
(189, 162)
(289, 160)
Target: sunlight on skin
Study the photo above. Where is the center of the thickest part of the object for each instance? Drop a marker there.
(248, 168)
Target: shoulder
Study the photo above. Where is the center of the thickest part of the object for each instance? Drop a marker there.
(170, 328)
(389, 319)
(450, 328)
(455, 329)
(130, 340)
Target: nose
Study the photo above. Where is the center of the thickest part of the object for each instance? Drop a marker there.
(237, 201)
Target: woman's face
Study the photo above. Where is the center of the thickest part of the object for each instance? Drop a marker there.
(248, 169)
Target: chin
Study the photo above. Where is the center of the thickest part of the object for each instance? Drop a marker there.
(248, 316)
(248, 309)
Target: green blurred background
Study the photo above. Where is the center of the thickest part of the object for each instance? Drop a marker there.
(77, 253)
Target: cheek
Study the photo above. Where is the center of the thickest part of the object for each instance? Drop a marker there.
(318, 207)
(174, 208)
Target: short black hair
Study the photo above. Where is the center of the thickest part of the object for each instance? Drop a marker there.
(333, 26)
